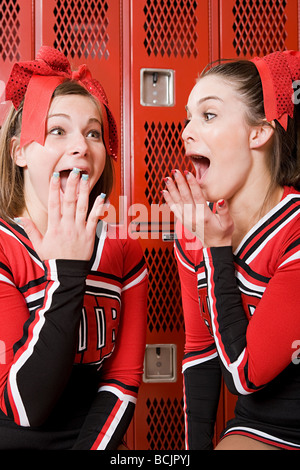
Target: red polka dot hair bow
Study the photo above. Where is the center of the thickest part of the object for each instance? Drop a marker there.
(37, 79)
(278, 72)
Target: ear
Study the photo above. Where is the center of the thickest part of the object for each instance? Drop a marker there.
(261, 135)
(17, 153)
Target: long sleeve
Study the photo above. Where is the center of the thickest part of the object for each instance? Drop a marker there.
(253, 353)
(112, 410)
(200, 366)
(38, 365)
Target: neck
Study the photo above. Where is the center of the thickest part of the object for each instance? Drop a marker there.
(36, 213)
(249, 207)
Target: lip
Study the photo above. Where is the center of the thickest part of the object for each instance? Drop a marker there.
(201, 164)
(83, 169)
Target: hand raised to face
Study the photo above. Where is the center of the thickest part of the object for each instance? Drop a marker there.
(70, 233)
(185, 199)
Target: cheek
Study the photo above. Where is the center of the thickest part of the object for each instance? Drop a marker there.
(100, 161)
(233, 146)
(98, 166)
(40, 166)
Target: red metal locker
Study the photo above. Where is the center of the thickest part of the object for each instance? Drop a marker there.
(16, 40)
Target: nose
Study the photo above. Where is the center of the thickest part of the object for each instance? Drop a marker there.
(188, 132)
(78, 146)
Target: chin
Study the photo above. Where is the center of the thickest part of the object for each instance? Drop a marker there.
(206, 193)
(211, 196)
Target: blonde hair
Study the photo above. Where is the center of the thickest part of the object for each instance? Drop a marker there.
(12, 200)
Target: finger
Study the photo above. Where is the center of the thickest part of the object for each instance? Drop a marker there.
(174, 198)
(173, 190)
(95, 214)
(183, 188)
(203, 212)
(70, 195)
(176, 208)
(54, 207)
(83, 199)
(225, 218)
(195, 188)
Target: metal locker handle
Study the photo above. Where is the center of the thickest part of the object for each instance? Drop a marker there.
(157, 87)
(160, 363)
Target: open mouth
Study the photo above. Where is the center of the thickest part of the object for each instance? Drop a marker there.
(201, 165)
(64, 175)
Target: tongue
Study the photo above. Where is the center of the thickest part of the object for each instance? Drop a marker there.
(202, 166)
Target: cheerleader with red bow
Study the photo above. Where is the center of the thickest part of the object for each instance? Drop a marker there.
(72, 292)
(240, 275)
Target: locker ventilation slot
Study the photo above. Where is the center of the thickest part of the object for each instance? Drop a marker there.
(171, 28)
(81, 28)
(165, 151)
(9, 30)
(259, 27)
(165, 424)
(164, 295)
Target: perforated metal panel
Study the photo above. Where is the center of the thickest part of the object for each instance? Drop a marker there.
(10, 31)
(165, 424)
(164, 305)
(259, 27)
(164, 151)
(81, 28)
(15, 41)
(86, 31)
(255, 27)
(171, 28)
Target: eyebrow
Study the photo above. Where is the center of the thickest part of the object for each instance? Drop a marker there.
(206, 98)
(91, 120)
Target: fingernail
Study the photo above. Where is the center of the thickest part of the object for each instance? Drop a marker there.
(75, 171)
(167, 180)
(102, 196)
(174, 172)
(55, 175)
(187, 174)
(84, 177)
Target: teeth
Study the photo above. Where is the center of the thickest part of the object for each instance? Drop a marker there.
(197, 157)
(75, 170)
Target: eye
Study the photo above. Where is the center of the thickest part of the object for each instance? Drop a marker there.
(209, 116)
(94, 134)
(57, 131)
(186, 122)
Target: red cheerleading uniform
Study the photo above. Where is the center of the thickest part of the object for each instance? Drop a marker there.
(243, 308)
(72, 343)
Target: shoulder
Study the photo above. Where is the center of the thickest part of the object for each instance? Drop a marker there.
(13, 237)
(287, 214)
(289, 222)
